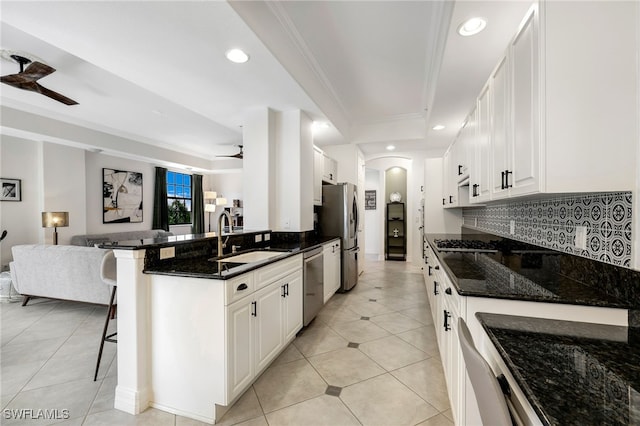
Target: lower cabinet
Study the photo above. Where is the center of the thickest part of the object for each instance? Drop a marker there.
(331, 270)
(258, 328)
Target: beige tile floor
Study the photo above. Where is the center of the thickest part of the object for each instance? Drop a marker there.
(369, 358)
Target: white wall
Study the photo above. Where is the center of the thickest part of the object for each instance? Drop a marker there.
(94, 163)
(374, 219)
(227, 185)
(21, 159)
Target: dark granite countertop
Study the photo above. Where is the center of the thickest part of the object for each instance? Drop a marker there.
(572, 373)
(521, 271)
(210, 268)
(172, 240)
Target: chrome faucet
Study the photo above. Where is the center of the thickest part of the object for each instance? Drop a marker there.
(222, 245)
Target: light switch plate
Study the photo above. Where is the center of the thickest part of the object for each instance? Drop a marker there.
(167, 252)
(512, 227)
(258, 238)
(581, 237)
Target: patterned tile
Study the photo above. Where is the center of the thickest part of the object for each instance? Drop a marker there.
(551, 223)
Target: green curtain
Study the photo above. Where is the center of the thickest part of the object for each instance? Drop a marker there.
(160, 206)
(197, 205)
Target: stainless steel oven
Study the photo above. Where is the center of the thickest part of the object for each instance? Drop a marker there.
(313, 278)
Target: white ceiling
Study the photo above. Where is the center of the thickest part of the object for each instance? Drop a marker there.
(154, 72)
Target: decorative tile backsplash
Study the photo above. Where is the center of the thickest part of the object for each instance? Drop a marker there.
(551, 223)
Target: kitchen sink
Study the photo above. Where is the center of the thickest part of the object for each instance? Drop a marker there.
(252, 256)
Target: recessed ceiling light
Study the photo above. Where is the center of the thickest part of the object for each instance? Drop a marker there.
(390, 147)
(472, 26)
(237, 56)
(438, 127)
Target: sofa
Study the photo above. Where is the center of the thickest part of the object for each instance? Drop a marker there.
(59, 272)
(95, 239)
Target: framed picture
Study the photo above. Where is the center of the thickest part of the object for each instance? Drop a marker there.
(370, 199)
(121, 196)
(10, 189)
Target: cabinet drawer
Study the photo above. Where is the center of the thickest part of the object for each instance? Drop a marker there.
(239, 287)
(267, 274)
(450, 295)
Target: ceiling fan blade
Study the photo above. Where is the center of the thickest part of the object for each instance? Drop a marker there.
(55, 95)
(37, 70)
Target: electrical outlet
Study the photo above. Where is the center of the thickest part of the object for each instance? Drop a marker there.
(267, 237)
(512, 227)
(167, 252)
(581, 237)
(258, 238)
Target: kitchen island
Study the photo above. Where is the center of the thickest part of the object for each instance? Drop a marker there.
(196, 329)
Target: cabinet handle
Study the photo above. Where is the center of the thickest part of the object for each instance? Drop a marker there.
(448, 290)
(254, 309)
(286, 289)
(430, 268)
(502, 181)
(444, 201)
(283, 294)
(506, 178)
(435, 288)
(242, 286)
(450, 199)
(459, 169)
(447, 326)
(437, 268)
(475, 190)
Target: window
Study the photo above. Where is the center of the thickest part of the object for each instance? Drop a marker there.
(179, 198)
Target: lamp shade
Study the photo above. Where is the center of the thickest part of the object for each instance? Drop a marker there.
(209, 208)
(55, 219)
(210, 195)
(221, 201)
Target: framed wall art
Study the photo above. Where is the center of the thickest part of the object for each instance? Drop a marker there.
(121, 196)
(10, 189)
(370, 199)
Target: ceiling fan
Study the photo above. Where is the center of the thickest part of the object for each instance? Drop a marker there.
(27, 79)
(239, 155)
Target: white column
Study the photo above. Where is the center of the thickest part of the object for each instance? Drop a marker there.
(258, 136)
(133, 389)
(294, 172)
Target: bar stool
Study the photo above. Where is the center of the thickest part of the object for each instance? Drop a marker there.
(108, 276)
(490, 395)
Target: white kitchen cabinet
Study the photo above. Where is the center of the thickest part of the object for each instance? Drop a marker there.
(562, 104)
(240, 371)
(330, 170)
(456, 165)
(267, 313)
(237, 327)
(292, 314)
(318, 170)
(331, 268)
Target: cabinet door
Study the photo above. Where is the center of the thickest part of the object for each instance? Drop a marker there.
(318, 169)
(240, 348)
(499, 137)
(479, 186)
(328, 270)
(337, 259)
(330, 170)
(268, 323)
(292, 306)
(448, 179)
(524, 174)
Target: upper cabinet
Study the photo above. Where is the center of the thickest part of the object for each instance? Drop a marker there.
(318, 168)
(559, 112)
(457, 161)
(330, 170)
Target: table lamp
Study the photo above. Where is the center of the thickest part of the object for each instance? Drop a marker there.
(55, 220)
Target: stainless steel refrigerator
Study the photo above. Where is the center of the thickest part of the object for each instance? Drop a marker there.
(339, 218)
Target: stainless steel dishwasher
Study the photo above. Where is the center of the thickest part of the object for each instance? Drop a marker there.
(313, 277)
